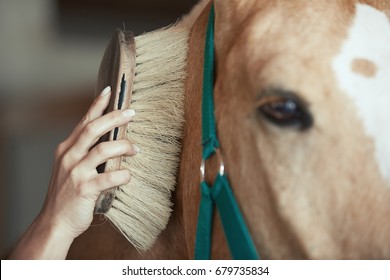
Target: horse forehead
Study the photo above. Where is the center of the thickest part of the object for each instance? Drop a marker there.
(362, 71)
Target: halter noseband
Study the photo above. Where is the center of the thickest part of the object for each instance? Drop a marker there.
(220, 193)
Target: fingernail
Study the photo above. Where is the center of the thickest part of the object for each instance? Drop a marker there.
(128, 176)
(129, 113)
(105, 91)
(136, 148)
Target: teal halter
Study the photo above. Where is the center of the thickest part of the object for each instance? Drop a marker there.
(236, 232)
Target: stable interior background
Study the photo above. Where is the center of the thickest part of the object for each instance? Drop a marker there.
(50, 51)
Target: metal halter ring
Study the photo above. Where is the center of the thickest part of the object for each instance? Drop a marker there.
(221, 165)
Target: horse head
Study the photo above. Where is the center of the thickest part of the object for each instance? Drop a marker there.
(302, 96)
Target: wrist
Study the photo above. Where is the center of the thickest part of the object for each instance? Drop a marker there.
(44, 239)
(55, 231)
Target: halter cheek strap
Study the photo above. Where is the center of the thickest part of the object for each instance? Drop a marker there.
(220, 193)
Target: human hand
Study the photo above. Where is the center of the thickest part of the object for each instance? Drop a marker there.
(75, 184)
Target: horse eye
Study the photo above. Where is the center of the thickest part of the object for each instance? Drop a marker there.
(284, 109)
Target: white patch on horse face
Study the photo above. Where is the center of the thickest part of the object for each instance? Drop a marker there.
(369, 40)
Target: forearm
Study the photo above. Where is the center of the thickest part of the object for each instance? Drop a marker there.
(43, 240)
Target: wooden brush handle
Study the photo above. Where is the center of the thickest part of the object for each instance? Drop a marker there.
(117, 69)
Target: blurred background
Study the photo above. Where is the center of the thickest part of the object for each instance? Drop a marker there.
(50, 51)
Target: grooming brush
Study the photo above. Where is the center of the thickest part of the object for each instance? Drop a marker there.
(147, 74)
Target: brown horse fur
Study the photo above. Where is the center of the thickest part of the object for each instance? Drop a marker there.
(315, 194)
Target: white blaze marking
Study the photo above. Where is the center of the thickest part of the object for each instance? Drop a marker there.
(369, 38)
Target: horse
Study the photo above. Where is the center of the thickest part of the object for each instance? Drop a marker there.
(300, 104)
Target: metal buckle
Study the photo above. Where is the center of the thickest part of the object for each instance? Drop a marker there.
(221, 165)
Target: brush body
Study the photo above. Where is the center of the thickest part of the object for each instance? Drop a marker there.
(147, 74)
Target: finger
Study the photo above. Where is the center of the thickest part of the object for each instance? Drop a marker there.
(108, 180)
(100, 126)
(99, 105)
(96, 110)
(107, 150)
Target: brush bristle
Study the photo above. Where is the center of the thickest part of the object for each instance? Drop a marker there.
(142, 208)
